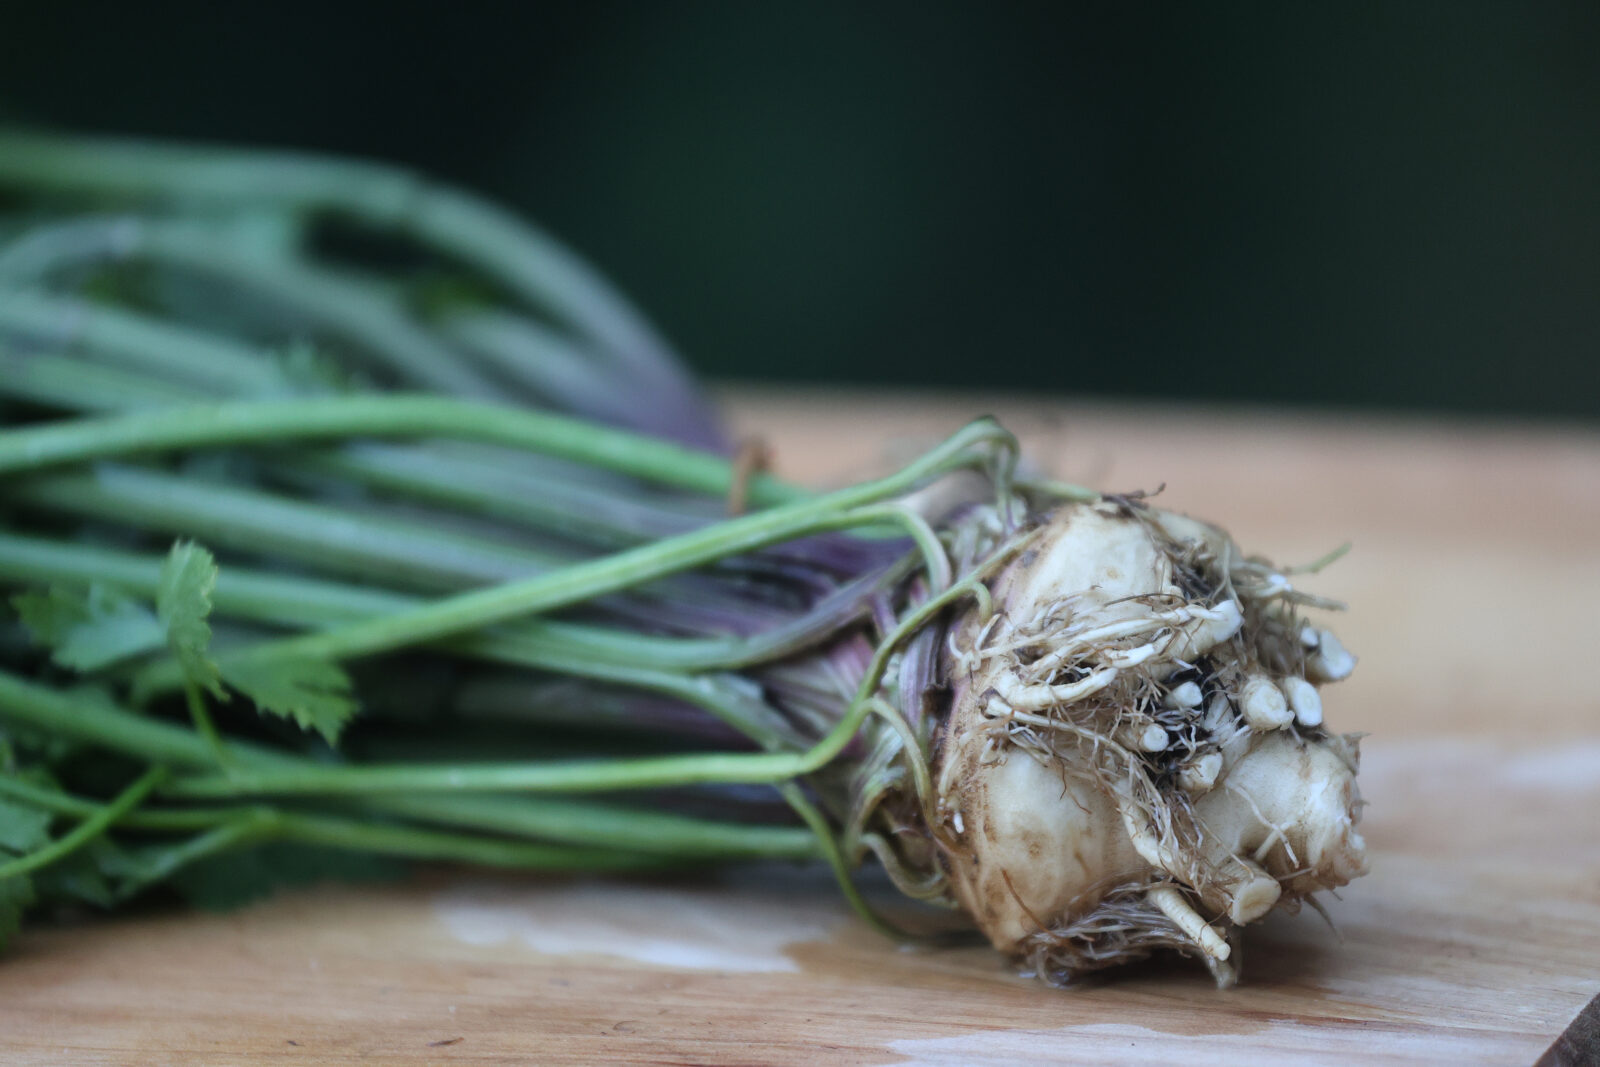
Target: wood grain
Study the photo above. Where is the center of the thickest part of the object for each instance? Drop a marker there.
(1472, 583)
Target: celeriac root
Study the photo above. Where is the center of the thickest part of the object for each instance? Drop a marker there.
(1134, 756)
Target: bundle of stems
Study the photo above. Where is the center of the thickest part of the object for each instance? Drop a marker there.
(472, 541)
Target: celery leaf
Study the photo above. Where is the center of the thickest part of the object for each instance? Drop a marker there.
(314, 693)
(183, 602)
(86, 630)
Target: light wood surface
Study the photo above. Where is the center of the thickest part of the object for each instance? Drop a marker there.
(1472, 585)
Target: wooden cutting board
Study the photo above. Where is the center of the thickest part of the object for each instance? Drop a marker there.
(1473, 583)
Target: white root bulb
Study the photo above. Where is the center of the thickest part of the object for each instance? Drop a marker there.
(1134, 755)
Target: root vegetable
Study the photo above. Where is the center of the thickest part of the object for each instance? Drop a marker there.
(1071, 847)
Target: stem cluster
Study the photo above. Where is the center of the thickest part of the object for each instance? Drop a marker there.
(514, 477)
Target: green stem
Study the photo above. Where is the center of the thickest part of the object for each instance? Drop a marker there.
(341, 307)
(581, 776)
(89, 718)
(835, 857)
(74, 384)
(87, 830)
(342, 539)
(328, 536)
(47, 709)
(584, 581)
(231, 251)
(415, 843)
(277, 422)
(912, 747)
(575, 821)
(203, 725)
(521, 493)
(574, 776)
(175, 354)
(606, 827)
(530, 499)
(927, 541)
(260, 596)
(671, 666)
(572, 585)
(171, 820)
(250, 826)
(586, 834)
(557, 371)
(1060, 490)
(235, 825)
(535, 266)
(323, 536)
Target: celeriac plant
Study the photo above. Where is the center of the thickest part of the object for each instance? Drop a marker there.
(350, 519)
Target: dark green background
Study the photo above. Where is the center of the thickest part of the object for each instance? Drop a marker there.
(1377, 204)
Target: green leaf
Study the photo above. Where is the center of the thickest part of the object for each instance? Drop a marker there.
(125, 870)
(36, 745)
(22, 828)
(183, 602)
(88, 630)
(109, 871)
(309, 371)
(218, 883)
(315, 693)
(79, 878)
(16, 896)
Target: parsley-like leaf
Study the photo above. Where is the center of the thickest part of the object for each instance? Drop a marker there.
(183, 602)
(79, 878)
(22, 829)
(315, 693)
(87, 630)
(308, 371)
(240, 876)
(16, 896)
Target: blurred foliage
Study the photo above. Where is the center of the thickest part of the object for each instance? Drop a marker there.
(1363, 204)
